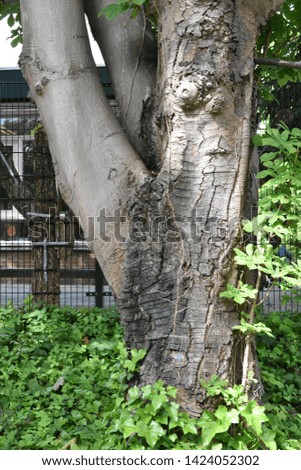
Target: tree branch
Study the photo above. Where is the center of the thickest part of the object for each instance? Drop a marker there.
(85, 138)
(130, 54)
(96, 167)
(277, 63)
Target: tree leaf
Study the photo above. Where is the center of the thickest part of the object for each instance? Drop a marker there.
(257, 140)
(154, 432)
(11, 21)
(254, 416)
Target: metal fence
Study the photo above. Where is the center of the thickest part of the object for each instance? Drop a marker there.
(274, 298)
(42, 249)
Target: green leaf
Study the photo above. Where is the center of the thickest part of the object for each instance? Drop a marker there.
(296, 132)
(268, 156)
(11, 21)
(133, 394)
(147, 392)
(153, 433)
(173, 437)
(129, 428)
(173, 411)
(113, 10)
(270, 141)
(190, 427)
(15, 42)
(268, 438)
(265, 174)
(254, 416)
(228, 416)
(208, 433)
(157, 401)
(285, 135)
(282, 81)
(257, 140)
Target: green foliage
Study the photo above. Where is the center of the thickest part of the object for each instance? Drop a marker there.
(278, 219)
(239, 294)
(280, 364)
(254, 328)
(151, 419)
(63, 384)
(238, 422)
(277, 222)
(280, 194)
(12, 13)
(279, 197)
(280, 38)
(60, 369)
(115, 9)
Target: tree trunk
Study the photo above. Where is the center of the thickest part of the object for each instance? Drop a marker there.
(46, 277)
(164, 241)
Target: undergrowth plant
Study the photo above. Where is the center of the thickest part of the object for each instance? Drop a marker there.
(64, 377)
(280, 365)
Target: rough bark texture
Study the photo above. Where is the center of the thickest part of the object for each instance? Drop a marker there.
(183, 223)
(171, 302)
(46, 279)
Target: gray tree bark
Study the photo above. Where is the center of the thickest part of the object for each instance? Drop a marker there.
(167, 249)
(130, 54)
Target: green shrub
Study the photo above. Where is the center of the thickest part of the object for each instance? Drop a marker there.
(280, 365)
(61, 369)
(63, 384)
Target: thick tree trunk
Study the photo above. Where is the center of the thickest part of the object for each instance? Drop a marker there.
(167, 248)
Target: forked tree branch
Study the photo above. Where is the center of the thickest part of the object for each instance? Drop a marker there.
(85, 138)
(130, 53)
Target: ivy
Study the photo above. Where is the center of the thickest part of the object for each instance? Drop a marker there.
(64, 377)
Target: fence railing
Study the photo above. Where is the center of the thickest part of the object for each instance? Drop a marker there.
(42, 253)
